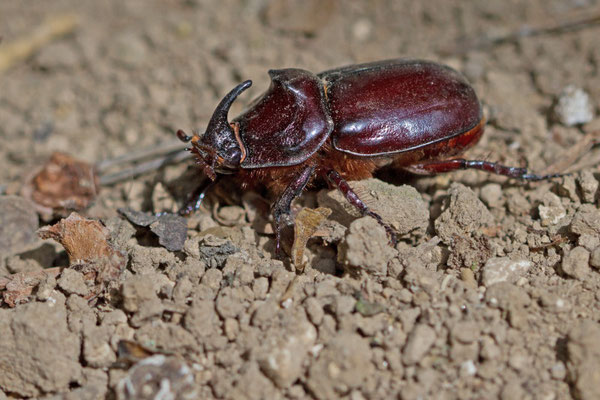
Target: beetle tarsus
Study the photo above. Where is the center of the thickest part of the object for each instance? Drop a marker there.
(336, 179)
(281, 208)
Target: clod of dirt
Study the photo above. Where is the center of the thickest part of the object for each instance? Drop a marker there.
(586, 220)
(63, 184)
(503, 269)
(366, 247)
(306, 224)
(462, 226)
(574, 106)
(158, 377)
(72, 282)
(284, 352)
(419, 341)
(38, 353)
(18, 223)
(464, 214)
(576, 263)
(343, 364)
(215, 251)
(595, 258)
(87, 244)
(583, 349)
(400, 206)
(171, 229)
(18, 287)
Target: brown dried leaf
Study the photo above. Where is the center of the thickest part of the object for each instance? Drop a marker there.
(86, 243)
(18, 287)
(62, 185)
(307, 222)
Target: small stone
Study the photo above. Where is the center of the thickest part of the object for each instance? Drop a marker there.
(128, 49)
(157, 377)
(503, 269)
(588, 186)
(595, 258)
(558, 371)
(574, 106)
(576, 263)
(552, 210)
(231, 328)
(418, 344)
(468, 368)
(586, 220)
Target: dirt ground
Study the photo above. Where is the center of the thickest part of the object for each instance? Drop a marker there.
(491, 293)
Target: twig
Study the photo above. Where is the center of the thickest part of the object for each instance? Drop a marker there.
(525, 31)
(139, 169)
(566, 163)
(20, 49)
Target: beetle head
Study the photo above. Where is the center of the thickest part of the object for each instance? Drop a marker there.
(220, 149)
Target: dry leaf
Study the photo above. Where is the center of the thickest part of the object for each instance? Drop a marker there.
(306, 224)
(18, 287)
(62, 185)
(86, 243)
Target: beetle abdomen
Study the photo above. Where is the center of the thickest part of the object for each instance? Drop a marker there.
(398, 106)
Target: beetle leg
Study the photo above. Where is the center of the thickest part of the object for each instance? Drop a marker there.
(436, 167)
(195, 200)
(281, 208)
(335, 178)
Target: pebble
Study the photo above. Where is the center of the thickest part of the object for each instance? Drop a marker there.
(366, 247)
(418, 344)
(503, 269)
(595, 258)
(574, 106)
(576, 263)
(552, 210)
(588, 186)
(586, 220)
(492, 195)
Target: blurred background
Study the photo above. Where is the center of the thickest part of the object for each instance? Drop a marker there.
(124, 75)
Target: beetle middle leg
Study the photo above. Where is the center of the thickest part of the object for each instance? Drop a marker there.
(436, 167)
(352, 198)
(281, 208)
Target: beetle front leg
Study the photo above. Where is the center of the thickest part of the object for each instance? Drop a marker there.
(281, 208)
(352, 198)
(195, 199)
(437, 167)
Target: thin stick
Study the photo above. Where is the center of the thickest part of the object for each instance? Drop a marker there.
(22, 48)
(143, 168)
(161, 151)
(525, 31)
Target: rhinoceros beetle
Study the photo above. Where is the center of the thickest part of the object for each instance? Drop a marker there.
(344, 124)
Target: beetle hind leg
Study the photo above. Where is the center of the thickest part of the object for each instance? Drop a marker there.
(336, 179)
(436, 167)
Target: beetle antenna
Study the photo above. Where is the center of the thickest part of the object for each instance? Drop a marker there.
(181, 135)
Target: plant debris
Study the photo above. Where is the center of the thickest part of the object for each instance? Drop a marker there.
(306, 223)
(62, 185)
(171, 229)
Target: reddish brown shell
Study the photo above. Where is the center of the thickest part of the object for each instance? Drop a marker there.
(398, 106)
(288, 123)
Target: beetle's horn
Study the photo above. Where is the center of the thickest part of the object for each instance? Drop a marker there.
(219, 121)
